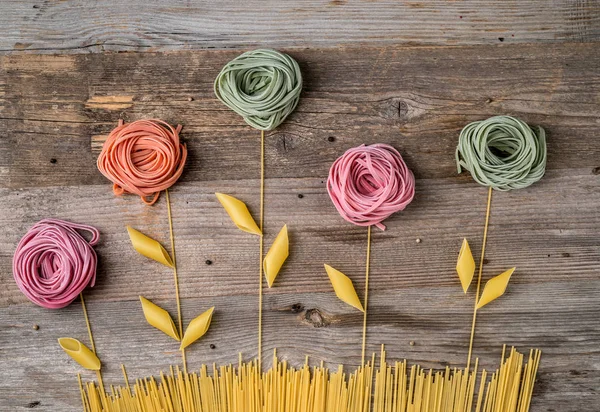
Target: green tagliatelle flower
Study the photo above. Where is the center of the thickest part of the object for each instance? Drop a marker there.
(502, 152)
(263, 86)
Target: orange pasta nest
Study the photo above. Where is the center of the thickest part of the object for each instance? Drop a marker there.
(144, 157)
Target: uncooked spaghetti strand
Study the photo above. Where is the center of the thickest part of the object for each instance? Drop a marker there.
(125, 378)
(91, 336)
(175, 276)
(364, 332)
(481, 260)
(260, 271)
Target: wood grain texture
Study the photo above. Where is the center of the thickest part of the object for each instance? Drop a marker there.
(416, 98)
(76, 26)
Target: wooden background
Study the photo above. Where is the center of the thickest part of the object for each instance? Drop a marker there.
(408, 74)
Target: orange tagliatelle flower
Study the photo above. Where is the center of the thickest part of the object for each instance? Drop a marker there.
(144, 157)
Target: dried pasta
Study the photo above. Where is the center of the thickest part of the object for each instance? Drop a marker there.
(144, 157)
(343, 287)
(392, 387)
(494, 288)
(197, 328)
(54, 263)
(159, 318)
(239, 213)
(80, 353)
(276, 256)
(263, 86)
(465, 265)
(149, 247)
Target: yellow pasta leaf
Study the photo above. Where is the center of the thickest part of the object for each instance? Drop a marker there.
(494, 288)
(80, 353)
(465, 265)
(276, 256)
(197, 328)
(343, 287)
(159, 318)
(149, 247)
(238, 212)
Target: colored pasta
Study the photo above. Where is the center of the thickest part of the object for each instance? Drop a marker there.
(367, 184)
(502, 152)
(263, 86)
(54, 263)
(144, 157)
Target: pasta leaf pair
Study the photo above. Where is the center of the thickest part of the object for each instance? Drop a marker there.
(241, 217)
(161, 320)
(154, 314)
(465, 267)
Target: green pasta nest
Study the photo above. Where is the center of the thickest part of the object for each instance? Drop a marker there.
(263, 86)
(502, 152)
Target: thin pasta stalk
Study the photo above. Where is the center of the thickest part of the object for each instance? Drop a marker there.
(175, 277)
(91, 336)
(485, 232)
(260, 263)
(364, 332)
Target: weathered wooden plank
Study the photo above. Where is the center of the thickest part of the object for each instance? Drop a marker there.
(415, 98)
(82, 27)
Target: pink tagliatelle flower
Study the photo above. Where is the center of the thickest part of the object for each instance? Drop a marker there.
(53, 263)
(367, 184)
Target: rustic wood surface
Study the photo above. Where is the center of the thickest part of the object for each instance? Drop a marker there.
(80, 26)
(56, 111)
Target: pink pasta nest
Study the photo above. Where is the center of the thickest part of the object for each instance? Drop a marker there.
(54, 263)
(367, 184)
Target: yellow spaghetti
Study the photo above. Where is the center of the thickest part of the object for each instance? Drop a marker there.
(392, 387)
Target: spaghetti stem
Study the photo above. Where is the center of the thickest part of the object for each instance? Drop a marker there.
(93, 345)
(175, 277)
(485, 232)
(262, 210)
(364, 335)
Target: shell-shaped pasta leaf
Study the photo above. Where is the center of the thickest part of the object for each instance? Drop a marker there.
(197, 328)
(465, 265)
(149, 247)
(494, 288)
(276, 256)
(343, 287)
(80, 353)
(159, 318)
(239, 213)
